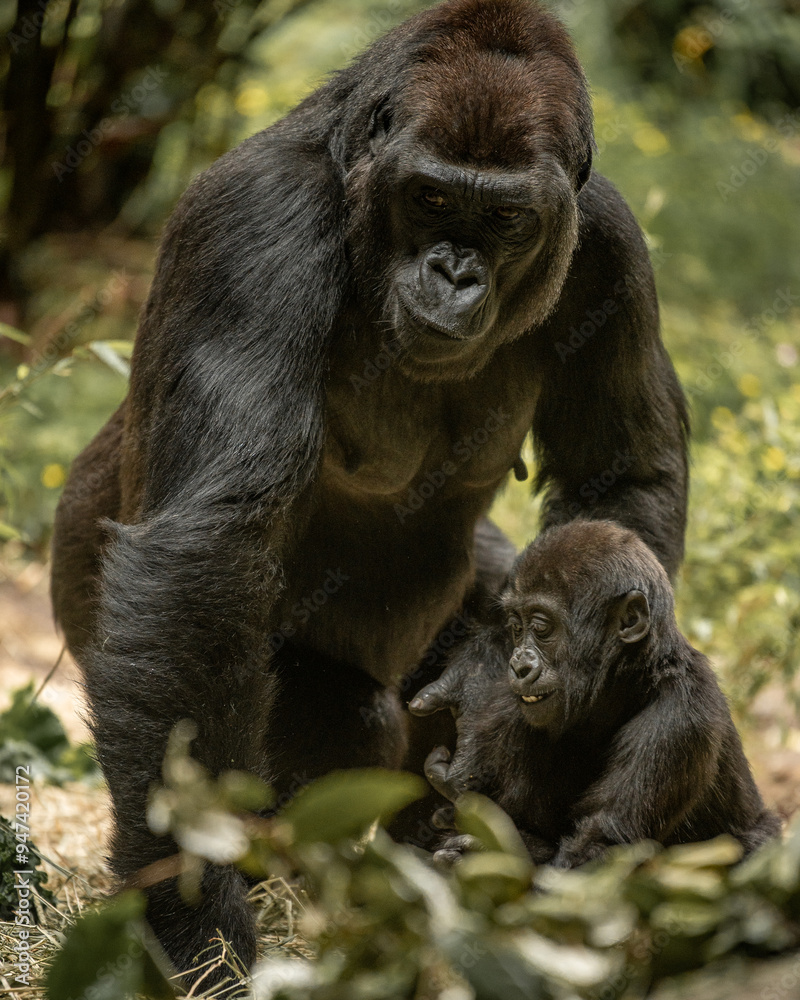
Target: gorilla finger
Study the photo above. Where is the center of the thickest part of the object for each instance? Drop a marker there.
(430, 699)
(437, 757)
(444, 818)
(462, 842)
(444, 860)
(437, 766)
(453, 850)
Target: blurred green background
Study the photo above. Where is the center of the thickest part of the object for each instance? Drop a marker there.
(111, 107)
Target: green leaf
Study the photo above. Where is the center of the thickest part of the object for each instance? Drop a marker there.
(496, 972)
(482, 818)
(105, 957)
(344, 803)
(500, 876)
(34, 723)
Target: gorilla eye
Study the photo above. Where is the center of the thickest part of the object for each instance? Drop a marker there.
(541, 626)
(434, 198)
(516, 629)
(507, 213)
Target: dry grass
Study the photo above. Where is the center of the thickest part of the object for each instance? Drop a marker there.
(70, 826)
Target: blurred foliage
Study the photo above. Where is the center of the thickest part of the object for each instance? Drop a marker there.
(31, 735)
(743, 49)
(740, 593)
(383, 925)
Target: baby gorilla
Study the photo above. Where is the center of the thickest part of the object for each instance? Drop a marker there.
(586, 715)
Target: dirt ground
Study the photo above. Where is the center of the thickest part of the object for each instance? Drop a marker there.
(70, 824)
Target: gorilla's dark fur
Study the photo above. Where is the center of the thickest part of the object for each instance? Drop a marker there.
(428, 214)
(586, 715)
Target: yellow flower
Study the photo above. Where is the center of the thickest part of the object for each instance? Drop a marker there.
(650, 140)
(774, 459)
(252, 101)
(722, 418)
(750, 385)
(53, 476)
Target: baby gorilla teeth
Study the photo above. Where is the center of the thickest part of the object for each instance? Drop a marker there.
(532, 697)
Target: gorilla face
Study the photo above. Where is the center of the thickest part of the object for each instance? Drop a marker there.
(464, 206)
(464, 238)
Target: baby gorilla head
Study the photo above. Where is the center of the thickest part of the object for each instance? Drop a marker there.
(583, 604)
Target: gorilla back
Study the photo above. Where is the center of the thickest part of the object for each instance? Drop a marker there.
(357, 316)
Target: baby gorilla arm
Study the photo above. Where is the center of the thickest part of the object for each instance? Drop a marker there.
(661, 765)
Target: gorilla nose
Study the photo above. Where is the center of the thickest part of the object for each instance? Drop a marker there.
(525, 666)
(458, 283)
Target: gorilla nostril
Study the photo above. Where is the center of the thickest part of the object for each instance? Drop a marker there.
(525, 666)
(440, 267)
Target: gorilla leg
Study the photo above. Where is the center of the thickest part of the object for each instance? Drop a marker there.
(349, 720)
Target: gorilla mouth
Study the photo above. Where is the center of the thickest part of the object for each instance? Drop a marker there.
(426, 325)
(531, 699)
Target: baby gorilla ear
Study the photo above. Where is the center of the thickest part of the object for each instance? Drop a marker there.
(633, 616)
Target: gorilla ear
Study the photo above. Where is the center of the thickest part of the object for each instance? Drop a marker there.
(585, 168)
(379, 125)
(633, 617)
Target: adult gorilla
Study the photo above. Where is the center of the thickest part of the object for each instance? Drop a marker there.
(357, 317)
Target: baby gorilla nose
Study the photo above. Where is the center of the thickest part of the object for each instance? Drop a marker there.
(524, 666)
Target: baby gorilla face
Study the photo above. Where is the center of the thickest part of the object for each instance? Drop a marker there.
(573, 608)
(538, 633)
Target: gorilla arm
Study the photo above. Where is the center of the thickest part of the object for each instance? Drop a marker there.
(223, 432)
(611, 422)
(661, 764)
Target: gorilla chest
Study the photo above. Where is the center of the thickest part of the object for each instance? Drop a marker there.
(405, 476)
(393, 439)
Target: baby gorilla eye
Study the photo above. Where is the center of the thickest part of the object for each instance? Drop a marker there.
(434, 198)
(516, 630)
(507, 213)
(541, 626)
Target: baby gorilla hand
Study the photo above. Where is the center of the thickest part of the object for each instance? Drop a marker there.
(586, 844)
(442, 693)
(445, 776)
(453, 850)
